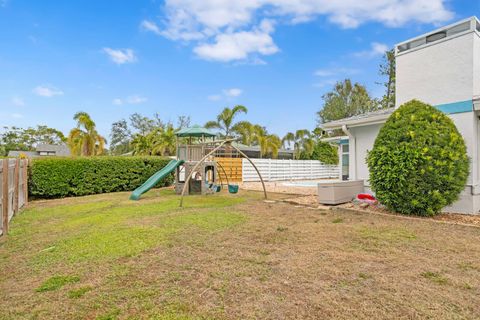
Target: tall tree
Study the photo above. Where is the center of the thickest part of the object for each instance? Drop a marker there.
(269, 143)
(302, 140)
(387, 69)
(163, 140)
(346, 100)
(183, 122)
(225, 119)
(143, 125)
(288, 139)
(84, 140)
(120, 137)
(245, 131)
(15, 138)
(142, 145)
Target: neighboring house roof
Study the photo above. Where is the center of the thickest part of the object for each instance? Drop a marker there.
(369, 118)
(60, 149)
(195, 131)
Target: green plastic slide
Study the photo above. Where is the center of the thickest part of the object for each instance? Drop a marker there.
(153, 180)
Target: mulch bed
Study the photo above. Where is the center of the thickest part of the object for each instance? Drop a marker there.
(311, 201)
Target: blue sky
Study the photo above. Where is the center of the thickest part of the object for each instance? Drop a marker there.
(189, 57)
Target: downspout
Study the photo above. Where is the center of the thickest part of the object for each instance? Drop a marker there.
(352, 153)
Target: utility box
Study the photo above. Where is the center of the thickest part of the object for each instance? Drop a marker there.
(337, 192)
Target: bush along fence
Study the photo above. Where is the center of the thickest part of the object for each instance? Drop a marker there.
(64, 177)
(277, 170)
(13, 189)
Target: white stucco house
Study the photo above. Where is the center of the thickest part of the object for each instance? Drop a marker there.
(441, 68)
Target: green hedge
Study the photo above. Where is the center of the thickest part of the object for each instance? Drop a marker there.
(419, 163)
(64, 177)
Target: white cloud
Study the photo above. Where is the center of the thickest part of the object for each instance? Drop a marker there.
(215, 97)
(47, 91)
(325, 83)
(239, 45)
(120, 56)
(17, 115)
(228, 30)
(136, 99)
(150, 26)
(376, 49)
(17, 101)
(226, 93)
(117, 102)
(329, 72)
(233, 92)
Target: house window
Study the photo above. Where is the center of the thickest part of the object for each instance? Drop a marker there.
(459, 28)
(436, 36)
(47, 153)
(345, 161)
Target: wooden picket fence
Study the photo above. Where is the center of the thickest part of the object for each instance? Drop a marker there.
(13, 189)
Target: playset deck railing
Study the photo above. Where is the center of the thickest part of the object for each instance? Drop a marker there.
(191, 152)
(195, 152)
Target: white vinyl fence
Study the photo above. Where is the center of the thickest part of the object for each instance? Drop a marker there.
(278, 170)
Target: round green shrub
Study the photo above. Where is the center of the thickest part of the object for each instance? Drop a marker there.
(419, 163)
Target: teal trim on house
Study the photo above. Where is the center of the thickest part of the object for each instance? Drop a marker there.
(343, 141)
(456, 107)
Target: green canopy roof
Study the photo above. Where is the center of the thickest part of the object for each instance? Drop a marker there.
(195, 131)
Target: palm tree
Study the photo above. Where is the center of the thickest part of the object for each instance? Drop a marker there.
(246, 131)
(302, 140)
(163, 141)
(225, 119)
(84, 140)
(268, 143)
(288, 139)
(142, 146)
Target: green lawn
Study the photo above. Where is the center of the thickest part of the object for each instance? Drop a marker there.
(231, 257)
(61, 244)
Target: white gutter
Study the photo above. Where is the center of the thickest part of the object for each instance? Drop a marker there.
(352, 153)
(375, 119)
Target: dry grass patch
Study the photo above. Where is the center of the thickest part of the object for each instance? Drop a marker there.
(232, 257)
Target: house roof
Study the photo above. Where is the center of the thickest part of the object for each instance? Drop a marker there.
(369, 118)
(195, 131)
(51, 147)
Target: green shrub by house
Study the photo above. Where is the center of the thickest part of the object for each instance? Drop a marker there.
(63, 177)
(419, 161)
(323, 152)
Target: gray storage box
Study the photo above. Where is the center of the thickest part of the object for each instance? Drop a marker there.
(337, 192)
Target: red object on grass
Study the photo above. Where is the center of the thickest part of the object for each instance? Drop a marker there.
(366, 196)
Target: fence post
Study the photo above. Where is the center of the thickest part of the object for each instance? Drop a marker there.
(16, 182)
(5, 197)
(25, 182)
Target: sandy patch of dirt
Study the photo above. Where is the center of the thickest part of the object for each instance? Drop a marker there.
(278, 187)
